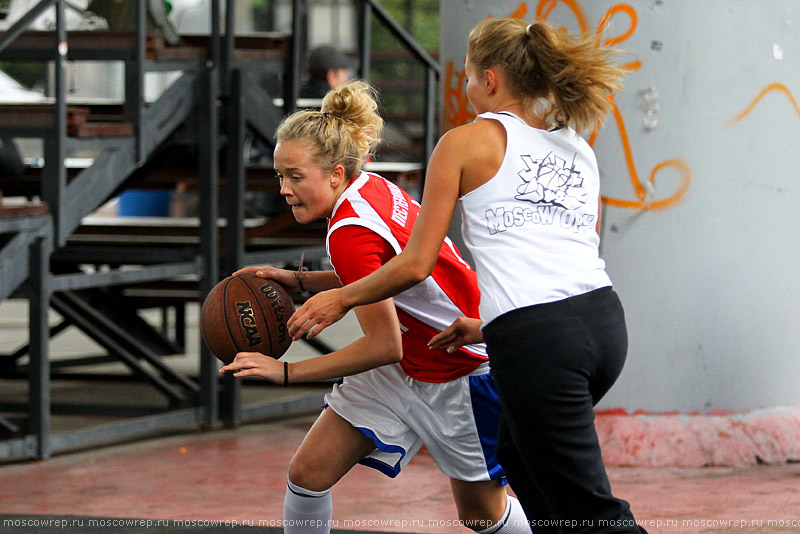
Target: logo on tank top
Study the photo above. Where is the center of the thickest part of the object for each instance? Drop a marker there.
(554, 187)
(548, 181)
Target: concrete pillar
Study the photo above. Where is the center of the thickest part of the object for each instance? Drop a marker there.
(701, 182)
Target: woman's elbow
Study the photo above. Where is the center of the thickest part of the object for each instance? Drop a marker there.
(418, 272)
(396, 354)
(393, 352)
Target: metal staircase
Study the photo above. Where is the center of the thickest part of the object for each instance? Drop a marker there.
(44, 252)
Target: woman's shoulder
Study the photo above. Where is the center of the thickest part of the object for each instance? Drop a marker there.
(473, 152)
(477, 131)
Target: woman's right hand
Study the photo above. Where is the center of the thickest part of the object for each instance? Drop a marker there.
(286, 278)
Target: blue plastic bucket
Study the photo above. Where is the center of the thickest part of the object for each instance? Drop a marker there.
(144, 203)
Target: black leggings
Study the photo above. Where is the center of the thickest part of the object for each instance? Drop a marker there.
(552, 363)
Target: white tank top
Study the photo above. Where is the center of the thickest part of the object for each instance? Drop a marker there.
(531, 228)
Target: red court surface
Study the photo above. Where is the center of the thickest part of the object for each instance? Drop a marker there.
(239, 475)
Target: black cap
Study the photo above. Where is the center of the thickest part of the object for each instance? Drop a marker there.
(324, 58)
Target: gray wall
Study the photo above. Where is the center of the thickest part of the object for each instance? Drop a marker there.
(707, 273)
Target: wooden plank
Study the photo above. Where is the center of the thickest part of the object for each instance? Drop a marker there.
(192, 53)
(120, 45)
(83, 44)
(42, 115)
(80, 121)
(23, 211)
(101, 129)
(254, 41)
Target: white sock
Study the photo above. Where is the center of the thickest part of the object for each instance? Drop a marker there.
(306, 511)
(513, 521)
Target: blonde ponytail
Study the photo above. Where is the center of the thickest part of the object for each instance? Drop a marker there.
(572, 75)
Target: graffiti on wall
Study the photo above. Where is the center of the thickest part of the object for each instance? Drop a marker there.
(773, 87)
(456, 107)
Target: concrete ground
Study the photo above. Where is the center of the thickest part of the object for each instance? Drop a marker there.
(239, 475)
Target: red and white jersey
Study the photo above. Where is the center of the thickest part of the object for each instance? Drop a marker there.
(370, 224)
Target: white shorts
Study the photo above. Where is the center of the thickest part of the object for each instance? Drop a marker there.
(457, 421)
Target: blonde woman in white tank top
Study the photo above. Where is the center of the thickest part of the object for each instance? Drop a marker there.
(555, 330)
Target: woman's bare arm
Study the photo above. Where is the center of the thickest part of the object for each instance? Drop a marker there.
(405, 270)
(380, 345)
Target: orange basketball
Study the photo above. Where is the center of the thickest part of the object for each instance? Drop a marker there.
(246, 313)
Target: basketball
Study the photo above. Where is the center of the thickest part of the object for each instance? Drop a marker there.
(246, 313)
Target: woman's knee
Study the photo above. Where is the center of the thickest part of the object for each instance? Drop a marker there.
(308, 474)
(330, 449)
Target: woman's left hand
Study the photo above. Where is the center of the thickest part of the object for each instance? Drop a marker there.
(317, 313)
(463, 331)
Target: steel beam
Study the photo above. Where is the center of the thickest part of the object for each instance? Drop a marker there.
(68, 282)
(209, 210)
(39, 335)
(91, 328)
(130, 429)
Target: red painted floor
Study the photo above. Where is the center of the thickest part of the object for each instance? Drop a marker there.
(240, 475)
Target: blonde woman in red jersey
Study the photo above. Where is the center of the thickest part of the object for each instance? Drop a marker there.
(397, 394)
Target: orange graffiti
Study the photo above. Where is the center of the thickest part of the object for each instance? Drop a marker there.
(645, 193)
(520, 12)
(457, 112)
(601, 28)
(771, 87)
(545, 7)
(456, 106)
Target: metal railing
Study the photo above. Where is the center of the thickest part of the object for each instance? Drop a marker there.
(433, 71)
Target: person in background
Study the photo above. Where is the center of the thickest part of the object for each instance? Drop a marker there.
(327, 69)
(528, 186)
(11, 165)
